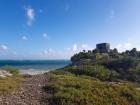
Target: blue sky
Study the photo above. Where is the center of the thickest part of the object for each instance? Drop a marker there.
(56, 29)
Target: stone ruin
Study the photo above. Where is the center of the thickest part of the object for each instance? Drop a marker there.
(103, 47)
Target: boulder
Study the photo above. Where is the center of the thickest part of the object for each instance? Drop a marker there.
(4, 73)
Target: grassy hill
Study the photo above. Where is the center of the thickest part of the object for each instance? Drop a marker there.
(96, 78)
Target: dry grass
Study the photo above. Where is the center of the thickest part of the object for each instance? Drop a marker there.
(10, 84)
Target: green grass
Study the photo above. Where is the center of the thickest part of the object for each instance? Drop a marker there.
(82, 90)
(10, 84)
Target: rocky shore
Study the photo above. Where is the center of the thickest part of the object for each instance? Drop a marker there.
(4, 73)
(30, 93)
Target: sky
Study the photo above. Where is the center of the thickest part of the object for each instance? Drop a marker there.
(57, 29)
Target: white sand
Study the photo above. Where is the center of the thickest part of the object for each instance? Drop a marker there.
(33, 71)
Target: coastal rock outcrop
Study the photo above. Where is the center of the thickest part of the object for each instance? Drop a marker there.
(4, 73)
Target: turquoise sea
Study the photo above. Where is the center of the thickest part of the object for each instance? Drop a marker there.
(35, 65)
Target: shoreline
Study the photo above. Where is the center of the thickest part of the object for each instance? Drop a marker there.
(32, 71)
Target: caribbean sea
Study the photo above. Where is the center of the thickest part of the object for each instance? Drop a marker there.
(35, 65)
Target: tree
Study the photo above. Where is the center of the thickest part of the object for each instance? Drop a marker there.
(115, 51)
(133, 52)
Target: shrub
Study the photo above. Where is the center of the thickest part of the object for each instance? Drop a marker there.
(59, 72)
(72, 90)
(97, 71)
(11, 69)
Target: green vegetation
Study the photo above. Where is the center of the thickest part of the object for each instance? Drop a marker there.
(83, 90)
(11, 69)
(10, 84)
(95, 78)
(126, 64)
(96, 71)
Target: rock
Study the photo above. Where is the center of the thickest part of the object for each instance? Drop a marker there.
(27, 75)
(4, 73)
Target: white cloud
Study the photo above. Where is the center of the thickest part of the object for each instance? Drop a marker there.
(24, 38)
(45, 35)
(3, 47)
(77, 48)
(30, 13)
(112, 14)
(128, 45)
(61, 54)
(86, 47)
(124, 46)
(14, 52)
(74, 48)
(48, 52)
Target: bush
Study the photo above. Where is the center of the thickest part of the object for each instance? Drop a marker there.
(97, 71)
(59, 72)
(126, 63)
(11, 69)
(72, 90)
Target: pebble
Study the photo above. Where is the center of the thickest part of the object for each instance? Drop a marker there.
(31, 92)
